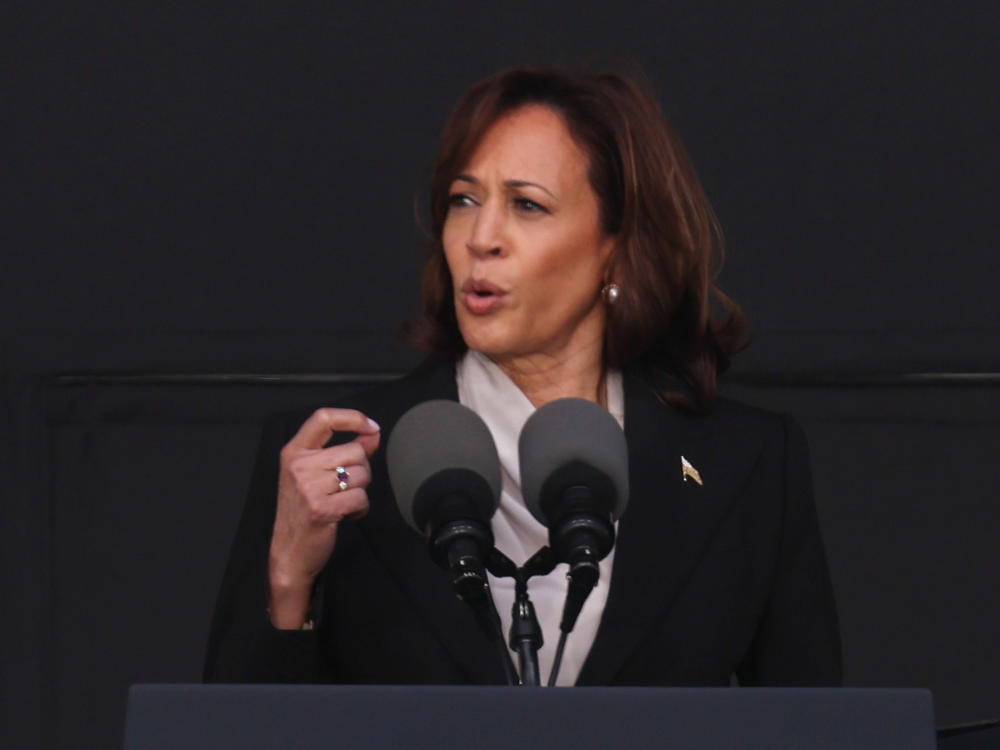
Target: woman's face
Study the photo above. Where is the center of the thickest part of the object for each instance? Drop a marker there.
(524, 243)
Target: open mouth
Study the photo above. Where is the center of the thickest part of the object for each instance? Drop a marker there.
(481, 297)
(481, 288)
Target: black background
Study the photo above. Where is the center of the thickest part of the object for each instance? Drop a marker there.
(193, 191)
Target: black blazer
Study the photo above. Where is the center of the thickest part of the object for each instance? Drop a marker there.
(711, 580)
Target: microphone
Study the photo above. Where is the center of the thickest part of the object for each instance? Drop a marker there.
(445, 474)
(574, 478)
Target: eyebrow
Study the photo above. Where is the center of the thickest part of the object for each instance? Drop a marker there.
(508, 183)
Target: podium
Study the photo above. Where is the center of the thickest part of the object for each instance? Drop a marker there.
(294, 717)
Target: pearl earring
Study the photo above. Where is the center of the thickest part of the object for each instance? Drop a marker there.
(611, 292)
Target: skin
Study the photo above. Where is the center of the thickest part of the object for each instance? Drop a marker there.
(524, 218)
(311, 506)
(524, 223)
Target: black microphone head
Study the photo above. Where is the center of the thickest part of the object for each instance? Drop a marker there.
(442, 459)
(572, 442)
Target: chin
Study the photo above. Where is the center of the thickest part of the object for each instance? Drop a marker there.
(493, 344)
(488, 347)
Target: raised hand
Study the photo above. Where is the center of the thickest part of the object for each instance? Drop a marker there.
(317, 489)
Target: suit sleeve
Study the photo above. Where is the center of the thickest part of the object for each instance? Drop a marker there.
(243, 646)
(798, 640)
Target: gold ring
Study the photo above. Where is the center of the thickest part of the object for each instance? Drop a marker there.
(343, 476)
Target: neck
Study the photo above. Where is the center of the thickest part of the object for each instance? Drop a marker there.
(544, 378)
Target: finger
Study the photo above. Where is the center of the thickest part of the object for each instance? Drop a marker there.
(340, 455)
(358, 514)
(354, 504)
(316, 431)
(306, 468)
(351, 503)
(357, 476)
(370, 443)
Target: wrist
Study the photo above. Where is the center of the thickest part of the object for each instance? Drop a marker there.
(289, 610)
(289, 601)
(288, 583)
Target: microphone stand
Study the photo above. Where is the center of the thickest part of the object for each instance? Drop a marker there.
(474, 589)
(525, 632)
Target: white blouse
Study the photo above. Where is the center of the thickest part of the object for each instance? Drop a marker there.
(486, 389)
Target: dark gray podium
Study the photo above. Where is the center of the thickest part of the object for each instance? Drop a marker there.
(248, 717)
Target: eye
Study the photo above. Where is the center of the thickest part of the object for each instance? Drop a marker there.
(460, 200)
(529, 206)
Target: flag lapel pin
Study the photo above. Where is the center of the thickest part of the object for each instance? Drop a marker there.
(689, 472)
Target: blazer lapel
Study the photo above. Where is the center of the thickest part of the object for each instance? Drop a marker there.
(669, 520)
(405, 555)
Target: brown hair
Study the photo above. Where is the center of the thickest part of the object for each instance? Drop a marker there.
(668, 239)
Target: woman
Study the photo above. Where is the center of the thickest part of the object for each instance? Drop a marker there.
(572, 255)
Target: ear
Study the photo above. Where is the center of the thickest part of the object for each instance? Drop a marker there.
(609, 253)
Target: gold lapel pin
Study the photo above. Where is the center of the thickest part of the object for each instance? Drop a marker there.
(688, 471)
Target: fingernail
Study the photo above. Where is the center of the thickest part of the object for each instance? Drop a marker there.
(374, 425)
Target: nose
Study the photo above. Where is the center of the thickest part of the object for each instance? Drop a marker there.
(486, 238)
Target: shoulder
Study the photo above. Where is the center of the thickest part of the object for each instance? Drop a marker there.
(780, 437)
(728, 417)
(738, 415)
(734, 439)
